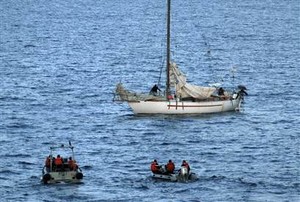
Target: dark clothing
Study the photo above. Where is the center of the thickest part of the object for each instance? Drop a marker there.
(244, 92)
(221, 92)
(154, 90)
(48, 162)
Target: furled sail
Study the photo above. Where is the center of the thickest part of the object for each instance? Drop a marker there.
(126, 95)
(186, 90)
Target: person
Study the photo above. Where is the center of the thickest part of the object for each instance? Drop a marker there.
(53, 163)
(154, 90)
(221, 92)
(170, 167)
(185, 164)
(58, 162)
(155, 168)
(72, 164)
(48, 161)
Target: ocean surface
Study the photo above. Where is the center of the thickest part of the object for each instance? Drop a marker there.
(61, 60)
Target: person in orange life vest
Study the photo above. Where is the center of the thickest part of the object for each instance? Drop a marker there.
(58, 161)
(72, 164)
(48, 161)
(155, 168)
(185, 164)
(170, 167)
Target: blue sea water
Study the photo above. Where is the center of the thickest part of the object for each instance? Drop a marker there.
(60, 62)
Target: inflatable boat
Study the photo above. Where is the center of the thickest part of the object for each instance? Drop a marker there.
(181, 176)
(67, 171)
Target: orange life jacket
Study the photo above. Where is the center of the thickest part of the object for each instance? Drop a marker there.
(154, 167)
(170, 167)
(72, 164)
(58, 161)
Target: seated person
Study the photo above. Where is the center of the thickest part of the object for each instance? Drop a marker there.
(221, 92)
(72, 164)
(58, 162)
(53, 163)
(155, 168)
(48, 163)
(170, 167)
(185, 164)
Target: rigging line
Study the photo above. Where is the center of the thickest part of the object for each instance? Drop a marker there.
(209, 57)
(162, 62)
(163, 53)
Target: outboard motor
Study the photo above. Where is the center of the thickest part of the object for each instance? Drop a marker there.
(79, 176)
(46, 178)
(242, 91)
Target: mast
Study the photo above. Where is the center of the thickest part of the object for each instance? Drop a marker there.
(168, 47)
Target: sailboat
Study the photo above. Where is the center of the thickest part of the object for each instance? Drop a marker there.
(181, 97)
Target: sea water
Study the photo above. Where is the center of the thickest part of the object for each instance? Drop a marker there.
(60, 62)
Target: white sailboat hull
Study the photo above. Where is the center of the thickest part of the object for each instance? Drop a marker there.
(184, 107)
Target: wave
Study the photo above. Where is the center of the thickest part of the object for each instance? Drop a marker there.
(239, 180)
(26, 163)
(9, 172)
(17, 155)
(183, 190)
(29, 46)
(86, 167)
(142, 187)
(246, 182)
